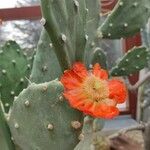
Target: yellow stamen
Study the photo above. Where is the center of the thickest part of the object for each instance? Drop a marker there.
(95, 88)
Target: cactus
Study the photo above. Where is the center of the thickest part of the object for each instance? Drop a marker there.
(14, 67)
(92, 23)
(146, 35)
(91, 137)
(144, 90)
(40, 117)
(58, 25)
(99, 57)
(42, 108)
(5, 136)
(121, 23)
(133, 61)
(45, 67)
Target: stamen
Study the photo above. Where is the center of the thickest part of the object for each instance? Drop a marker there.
(95, 88)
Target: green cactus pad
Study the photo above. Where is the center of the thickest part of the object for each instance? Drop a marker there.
(94, 141)
(5, 137)
(99, 57)
(14, 67)
(133, 61)
(91, 132)
(92, 23)
(127, 18)
(45, 66)
(57, 25)
(41, 119)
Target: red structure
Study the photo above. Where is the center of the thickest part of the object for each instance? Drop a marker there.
(34, 12)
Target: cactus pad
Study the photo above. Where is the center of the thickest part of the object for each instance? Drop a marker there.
(45, 67)
(99, 57)
(124, 20)
(14, 67)
(41, 119)
(133, 61)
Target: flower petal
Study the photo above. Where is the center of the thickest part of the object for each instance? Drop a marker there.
(80, 70)
(79, 101)
(109, 102)
(117, 90)
(105, 111)
(98, 72)
(75, 98)
(70, 80)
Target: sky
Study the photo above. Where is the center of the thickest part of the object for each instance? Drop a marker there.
(7, 3)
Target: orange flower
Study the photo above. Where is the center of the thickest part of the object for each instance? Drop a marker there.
(91, 92)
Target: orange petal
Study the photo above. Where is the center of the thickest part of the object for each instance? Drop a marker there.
(86, 107)
(80, 70)
(117, 90)
(105, 111)
(109, 102)
(70, 80)
(98, 72)
(75, 98)
(79, 101)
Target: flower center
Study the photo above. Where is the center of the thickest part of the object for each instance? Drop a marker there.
(95, 88)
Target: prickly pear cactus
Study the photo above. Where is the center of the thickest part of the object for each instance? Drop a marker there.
(45, 66)
(66, 29)
(5, 136)
(133, 61)
(14, 67)
(91, 137)
(99, 57)
(144, 91)
(41, 119)
(146, 35)
(120, 21)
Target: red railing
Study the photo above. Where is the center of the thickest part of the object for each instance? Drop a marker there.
(34, 12)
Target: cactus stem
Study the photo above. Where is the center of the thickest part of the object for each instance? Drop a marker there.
(54, 33)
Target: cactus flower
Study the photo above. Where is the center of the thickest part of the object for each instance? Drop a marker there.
(92, 92)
